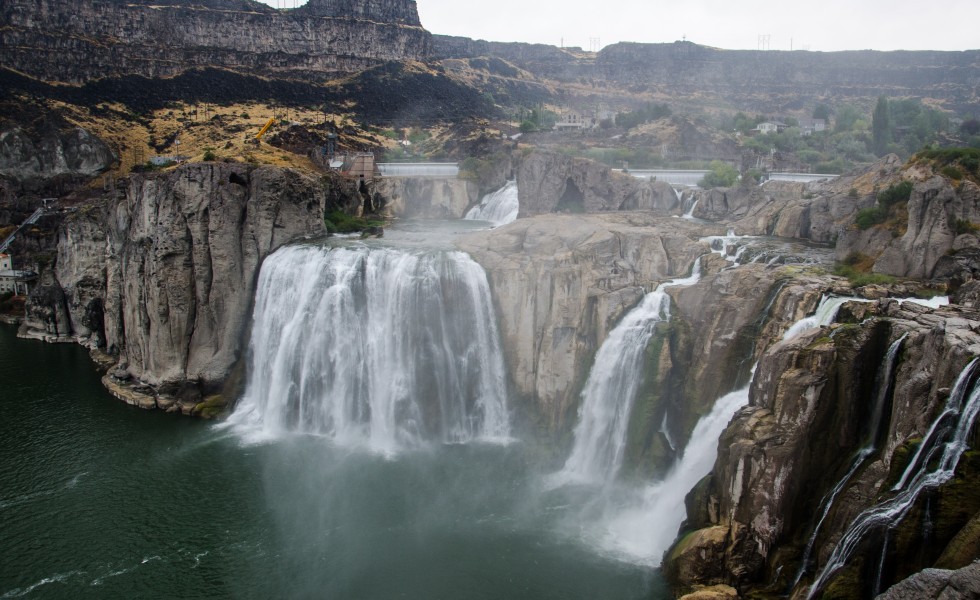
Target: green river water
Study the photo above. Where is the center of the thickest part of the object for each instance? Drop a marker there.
(101, 500)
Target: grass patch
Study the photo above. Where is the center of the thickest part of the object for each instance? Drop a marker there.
(340, 222)
(856, 267)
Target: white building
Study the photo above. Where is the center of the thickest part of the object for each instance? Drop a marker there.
(811, 126)
(572, 120)
(770, 127)
(12, 280)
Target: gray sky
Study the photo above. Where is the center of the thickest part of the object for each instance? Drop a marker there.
(826, 25)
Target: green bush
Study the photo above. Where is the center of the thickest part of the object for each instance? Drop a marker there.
(720, 175)
(868, 217)
(209, 154)
(952, 173)
(900, 192)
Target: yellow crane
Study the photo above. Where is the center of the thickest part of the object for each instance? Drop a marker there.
(264, 129)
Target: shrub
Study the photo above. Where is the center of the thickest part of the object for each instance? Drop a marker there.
(868, 217)
(961, 226)
(209, 154)
(340, 222)
(952, 173)
(900, 192)
(720, 175)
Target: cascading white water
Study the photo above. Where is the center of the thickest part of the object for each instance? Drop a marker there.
(643, 525)
(500, 207)
(607, 399)
(646, 528)
(375, 346)
(883, 383)
(949, 442)
(690, 212)
(824, 315)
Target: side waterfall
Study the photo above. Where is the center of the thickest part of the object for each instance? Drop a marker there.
(375, 346)
(882, 386)
(607, 399)
(499, 208)
(946, 439)
(643, 525)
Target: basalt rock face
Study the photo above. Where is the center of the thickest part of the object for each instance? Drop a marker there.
(550, 182)
(562, 282)
(427, 197)
(811, 410)
(51, 149)
(74, 42)
(940, 217)
(403, 12)
(774, 80)
(165, 274)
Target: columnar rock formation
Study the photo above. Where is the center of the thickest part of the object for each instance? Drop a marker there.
(75, 42)
(164, 275)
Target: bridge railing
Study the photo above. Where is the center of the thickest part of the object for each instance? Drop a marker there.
(419, 169)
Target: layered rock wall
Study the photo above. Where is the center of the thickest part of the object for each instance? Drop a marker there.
(75, 42)
(165, 274)
(811, 410)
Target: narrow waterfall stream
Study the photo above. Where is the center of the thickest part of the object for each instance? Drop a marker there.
(600, 436)
(945, 442)
(882, 388)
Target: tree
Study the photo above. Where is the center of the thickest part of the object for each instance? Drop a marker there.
(822, 111)
(970, 127)
(847, 116)
(720, 175)
(881, 129)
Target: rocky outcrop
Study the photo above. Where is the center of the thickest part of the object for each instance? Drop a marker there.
(936, 584)
(427, 197)
(819, 212)
(74, 42)
(165, 275)
(562, 282)
(551, 182)
(48, 150)
(750, 520)
(941, 218)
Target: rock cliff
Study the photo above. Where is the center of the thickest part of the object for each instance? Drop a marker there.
(811, 410)
(551, 182)
(164, 275)
(427, 197)
(35, 154)
(74, 42)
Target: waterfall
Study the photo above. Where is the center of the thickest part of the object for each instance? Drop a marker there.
(499, 208)
(945, 439)
(883, 384)
(824, 315)
(690, 212)
(374, 346)
(647, 528)
(607, 399)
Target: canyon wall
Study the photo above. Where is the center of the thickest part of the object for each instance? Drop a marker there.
(164, 274)
(74, 42)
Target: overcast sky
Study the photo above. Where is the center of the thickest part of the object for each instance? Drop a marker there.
(826, 25)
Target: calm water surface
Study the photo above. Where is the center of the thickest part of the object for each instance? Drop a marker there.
(101, 500)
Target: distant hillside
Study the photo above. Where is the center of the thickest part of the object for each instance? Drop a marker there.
(76, 41)
(763, 81)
